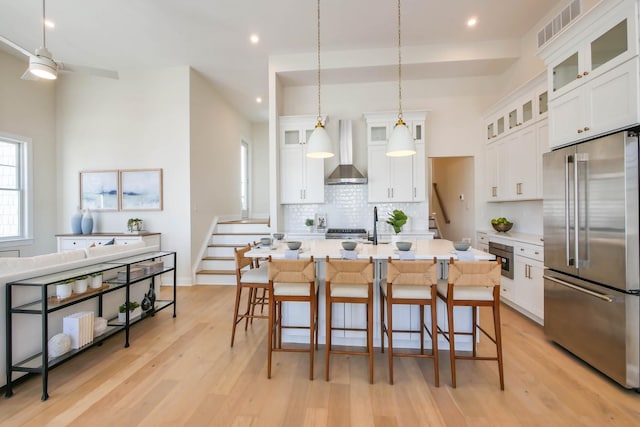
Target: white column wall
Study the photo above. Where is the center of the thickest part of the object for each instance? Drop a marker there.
(27, 108)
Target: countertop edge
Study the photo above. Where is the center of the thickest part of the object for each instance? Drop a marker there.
(534, 239)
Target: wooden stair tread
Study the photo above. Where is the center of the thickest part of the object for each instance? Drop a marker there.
(227, 245)
(218, 258)
(219, 272)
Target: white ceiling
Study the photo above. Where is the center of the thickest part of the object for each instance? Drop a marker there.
(213, 36)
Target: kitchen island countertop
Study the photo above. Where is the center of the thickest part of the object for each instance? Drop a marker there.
(422, 248)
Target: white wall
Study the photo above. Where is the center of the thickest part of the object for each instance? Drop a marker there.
(27, 108)
(138, 121)
(216, 134)
(259, 170)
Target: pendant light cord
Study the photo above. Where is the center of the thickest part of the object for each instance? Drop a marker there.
(319, 113)
(44, 30)
(399, 68)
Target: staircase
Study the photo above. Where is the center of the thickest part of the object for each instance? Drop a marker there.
(218, 266)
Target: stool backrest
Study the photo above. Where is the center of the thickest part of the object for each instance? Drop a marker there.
(292, 270)
(475, 273)
(242, 260)
(349, 271)
(419, 273)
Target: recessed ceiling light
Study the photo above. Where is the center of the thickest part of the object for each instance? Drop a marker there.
(259, 100)
(471, 22)
(254, 38)
(49, 24)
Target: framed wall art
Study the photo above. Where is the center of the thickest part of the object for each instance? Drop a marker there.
(99, 190)
(141, 189)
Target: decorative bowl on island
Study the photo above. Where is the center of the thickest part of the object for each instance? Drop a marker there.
(294, 245)
(403, 246)
(349, 245)
(278, 236)
(461, 246)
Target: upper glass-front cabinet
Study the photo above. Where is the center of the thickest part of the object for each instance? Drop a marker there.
(609, 46)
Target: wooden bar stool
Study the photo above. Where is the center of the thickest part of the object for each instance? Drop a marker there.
(291, 280)
(410, 283)
(473, 284)
(349, 281)
(251, 277)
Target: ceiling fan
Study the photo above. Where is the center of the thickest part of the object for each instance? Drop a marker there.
(43, 66)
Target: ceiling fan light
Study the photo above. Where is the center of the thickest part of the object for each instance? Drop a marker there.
(401, 143)
(43, 67)
(319, 144)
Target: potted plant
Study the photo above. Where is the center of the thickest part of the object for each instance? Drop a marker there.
(134, 225)
(397, 219)
(134, 311)
(309, 223)
(80, 285)
(96, 280)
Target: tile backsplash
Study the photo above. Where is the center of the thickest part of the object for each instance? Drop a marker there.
(346, 206)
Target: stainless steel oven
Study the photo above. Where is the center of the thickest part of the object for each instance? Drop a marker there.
(505, 253)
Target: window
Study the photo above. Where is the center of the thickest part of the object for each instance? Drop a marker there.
(14, 194)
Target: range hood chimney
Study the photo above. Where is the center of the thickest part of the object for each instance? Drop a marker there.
(346, 173)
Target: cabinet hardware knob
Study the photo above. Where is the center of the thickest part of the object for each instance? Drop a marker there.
(580, 131)
(586, 73)
(579, 76)
(586, 129)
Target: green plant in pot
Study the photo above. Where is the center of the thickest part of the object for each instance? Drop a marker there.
(397, 219)
(134, 224)
(132, 306)
(309, 223)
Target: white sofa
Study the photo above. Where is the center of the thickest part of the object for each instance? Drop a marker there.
(27, 327)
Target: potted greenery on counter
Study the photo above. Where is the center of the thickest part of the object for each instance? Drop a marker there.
(397, 219)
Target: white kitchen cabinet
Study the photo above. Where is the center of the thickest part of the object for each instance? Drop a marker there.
(395, 179)
(528, 281)
(514, 164)
(606, 103)
(482, 241)
(592, 70)
(301, 178)
(494, 157)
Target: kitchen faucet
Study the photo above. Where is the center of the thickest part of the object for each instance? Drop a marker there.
(375, 225)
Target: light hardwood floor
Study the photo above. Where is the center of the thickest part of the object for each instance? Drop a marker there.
(182, 372)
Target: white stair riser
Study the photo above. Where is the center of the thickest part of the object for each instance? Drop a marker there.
(213, 251)
(240, 239)
(208, 264)
(243, 228)
(215, 279)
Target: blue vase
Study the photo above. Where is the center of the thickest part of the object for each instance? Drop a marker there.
(76, 222)
(87, 222)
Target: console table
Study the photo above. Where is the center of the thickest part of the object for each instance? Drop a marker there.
(37, 296)
(69, 242)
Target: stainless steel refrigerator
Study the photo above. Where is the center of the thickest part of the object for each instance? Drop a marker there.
(591, 249)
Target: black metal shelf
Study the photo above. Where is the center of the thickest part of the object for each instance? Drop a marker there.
(46, 304)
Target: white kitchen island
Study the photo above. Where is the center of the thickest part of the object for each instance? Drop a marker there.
(354, 315)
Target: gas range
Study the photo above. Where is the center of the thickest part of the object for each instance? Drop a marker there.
(346, 233)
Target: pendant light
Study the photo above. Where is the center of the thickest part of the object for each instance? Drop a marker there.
(401, 142)
(319, 144)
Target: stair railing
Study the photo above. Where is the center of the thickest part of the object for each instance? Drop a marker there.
(442, 207)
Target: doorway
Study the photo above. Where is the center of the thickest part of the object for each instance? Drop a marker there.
(453, 178)
(244, 179)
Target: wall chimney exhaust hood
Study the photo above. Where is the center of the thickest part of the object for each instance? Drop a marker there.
(346, 173)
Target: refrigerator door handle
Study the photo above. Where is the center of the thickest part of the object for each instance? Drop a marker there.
(581, 158)
(603, 297)
(567, 211)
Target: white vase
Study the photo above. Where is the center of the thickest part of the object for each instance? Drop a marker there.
(96, 282)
